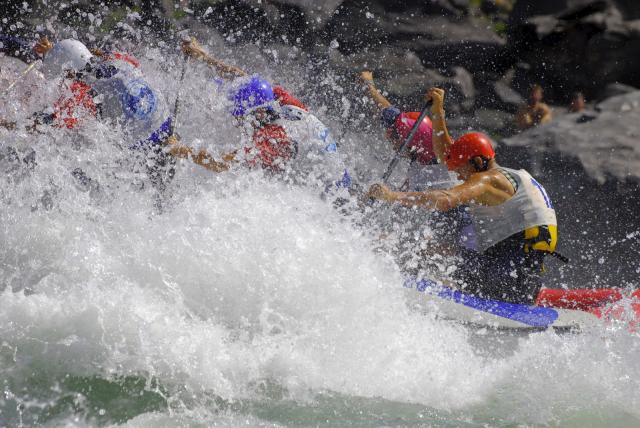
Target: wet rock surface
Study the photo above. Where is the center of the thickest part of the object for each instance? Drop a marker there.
(584, 47)
(605, 140)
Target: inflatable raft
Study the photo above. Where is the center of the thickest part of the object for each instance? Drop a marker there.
(564, 310)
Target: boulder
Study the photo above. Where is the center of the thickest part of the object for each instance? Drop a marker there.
(500, 95)
(317, 13)
(605, 141)
(491, 121)
(509, 98)
(442, 43)
(400, 73)
(237, 21)
(582, 47)
(523, 10)
(614, 89)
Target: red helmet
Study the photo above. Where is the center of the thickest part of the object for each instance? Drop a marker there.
(467, 147)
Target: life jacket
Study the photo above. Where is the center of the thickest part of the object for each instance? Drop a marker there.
(317, 154)
(528, 211)
(315, 129)
(284, 98)
(272, 148)
(118, 56)
(75, 105)
(318, 157)
(127, 97)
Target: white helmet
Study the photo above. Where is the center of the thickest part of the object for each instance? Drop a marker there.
(67, 54)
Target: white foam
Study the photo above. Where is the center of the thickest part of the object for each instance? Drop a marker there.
(245, 280)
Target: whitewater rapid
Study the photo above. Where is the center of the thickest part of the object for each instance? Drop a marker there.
(247, 301)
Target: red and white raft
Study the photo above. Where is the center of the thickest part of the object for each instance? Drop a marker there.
(557, 309)
(607, 304)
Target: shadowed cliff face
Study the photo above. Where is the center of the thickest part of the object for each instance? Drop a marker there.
(597, 221)
(567, 45)
(590, 162)
(604, 139)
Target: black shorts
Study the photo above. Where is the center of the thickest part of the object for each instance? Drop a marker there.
(503, 272)
(447, 226)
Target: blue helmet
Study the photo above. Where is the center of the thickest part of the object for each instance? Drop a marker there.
(250, 95)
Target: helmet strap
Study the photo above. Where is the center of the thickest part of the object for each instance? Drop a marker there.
(481, 165)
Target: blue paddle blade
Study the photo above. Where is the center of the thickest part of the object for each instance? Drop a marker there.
(534, 316)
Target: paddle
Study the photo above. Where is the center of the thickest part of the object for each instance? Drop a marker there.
(19, 78)
(412, 133)
(176, 106)
(405, 143)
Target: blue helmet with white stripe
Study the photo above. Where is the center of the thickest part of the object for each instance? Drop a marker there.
(255, 93)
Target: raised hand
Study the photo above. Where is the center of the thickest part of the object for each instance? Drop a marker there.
(436, 96)
(193, 48)
(379, 191)
(42, 46)
(366, 76)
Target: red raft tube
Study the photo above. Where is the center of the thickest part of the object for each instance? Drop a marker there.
(610, 304)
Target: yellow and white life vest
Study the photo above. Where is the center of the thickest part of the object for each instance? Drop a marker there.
(529, 210)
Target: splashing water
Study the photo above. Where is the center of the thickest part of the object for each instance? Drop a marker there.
(247, 302)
